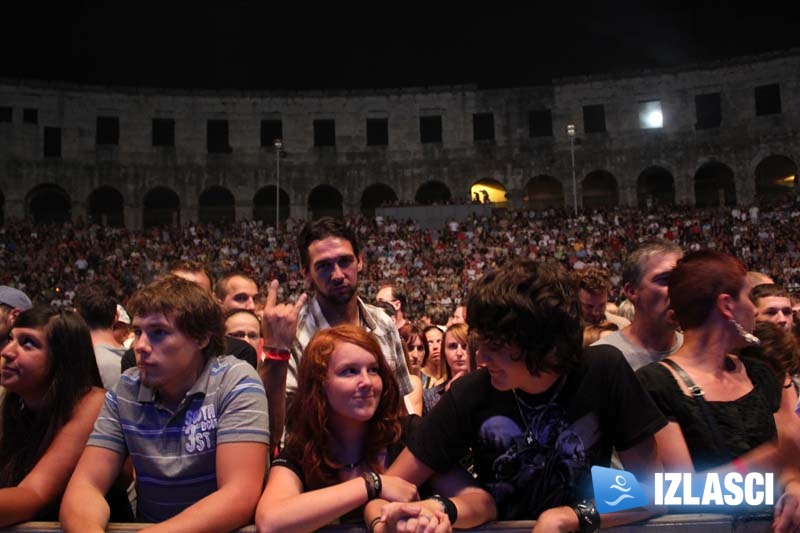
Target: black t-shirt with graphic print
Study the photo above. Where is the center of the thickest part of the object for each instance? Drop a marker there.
(546, 460)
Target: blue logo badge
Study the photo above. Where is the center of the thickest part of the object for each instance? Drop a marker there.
(616, 490)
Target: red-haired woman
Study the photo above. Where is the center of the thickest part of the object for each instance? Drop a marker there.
(725, 411)
(346, 429)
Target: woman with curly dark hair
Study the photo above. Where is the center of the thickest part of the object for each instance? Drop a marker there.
(53, 394)
(346, 429)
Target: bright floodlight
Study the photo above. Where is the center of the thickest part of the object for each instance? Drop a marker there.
(650, 116)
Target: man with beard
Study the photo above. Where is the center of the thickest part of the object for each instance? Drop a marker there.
(193, 422)
(653, 333)
(331, 260)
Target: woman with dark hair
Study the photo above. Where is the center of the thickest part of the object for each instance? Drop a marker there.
(416, 351)
(53, 394)
(346, 430)
(724, 411)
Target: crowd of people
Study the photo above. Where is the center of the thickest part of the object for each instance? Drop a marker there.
(435, 266)
(428, 380)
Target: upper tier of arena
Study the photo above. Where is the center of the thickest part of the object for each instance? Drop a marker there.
(703, 134)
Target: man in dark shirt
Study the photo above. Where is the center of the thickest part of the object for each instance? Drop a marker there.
(541, 412)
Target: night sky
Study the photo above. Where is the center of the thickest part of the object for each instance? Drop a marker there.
(385, 45)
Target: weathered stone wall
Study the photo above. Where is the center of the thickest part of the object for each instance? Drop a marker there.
(134, 166)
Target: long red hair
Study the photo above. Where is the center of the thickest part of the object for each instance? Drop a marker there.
(309, 443)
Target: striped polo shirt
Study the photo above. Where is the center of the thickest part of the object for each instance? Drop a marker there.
(174, 451)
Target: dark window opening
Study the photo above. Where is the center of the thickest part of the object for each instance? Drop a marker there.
(6, 114)
(768, 99)
(107, 130)
(377, 131)
(430, 129)
(483, 126)
(594, 118)
(708, 110)
(540, 123)
(217, 137)
(163, 132)
(271, 130)
(325, 132)
(52, 142)
(30, 116)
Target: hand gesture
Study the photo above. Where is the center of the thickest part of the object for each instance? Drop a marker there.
(279, 321)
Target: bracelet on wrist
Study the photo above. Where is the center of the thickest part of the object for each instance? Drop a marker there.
(448, 507)
(588, 517)
(373, 484)
(274, 354)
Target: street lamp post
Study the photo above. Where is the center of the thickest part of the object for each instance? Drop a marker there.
(278, 143)
(571, 133)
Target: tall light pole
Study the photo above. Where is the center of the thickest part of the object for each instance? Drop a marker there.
(278, 143)
(571, 133)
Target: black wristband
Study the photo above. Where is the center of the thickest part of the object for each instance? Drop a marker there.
(448, 507)
(373, 483)
(588, 517)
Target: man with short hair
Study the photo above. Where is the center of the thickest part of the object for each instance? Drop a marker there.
(96, 302)
(193, 422)
(541, 411)
(12, 303)
(653, 333)
(396, 296)
(331, 260)
(236, 291)
(773, 305)
(593, 287)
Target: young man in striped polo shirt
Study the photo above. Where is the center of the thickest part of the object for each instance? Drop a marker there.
(193, 422)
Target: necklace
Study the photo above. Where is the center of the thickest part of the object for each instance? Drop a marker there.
(351, 466)
(528, 433)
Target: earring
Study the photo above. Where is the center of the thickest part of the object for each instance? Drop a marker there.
(749, 337)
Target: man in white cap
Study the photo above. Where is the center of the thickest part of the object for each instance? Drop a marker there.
(12, 303)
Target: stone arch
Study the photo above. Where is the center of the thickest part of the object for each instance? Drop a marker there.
(714, 185)
(655, 187)
(600, 190)
(48, 204)
(161, 207)
(433, 192)
(216, 205)
(544, 192)
(776, 180)
(376, 195)
(106, 207)
(489, 189)
(325, 200)
(264, 205)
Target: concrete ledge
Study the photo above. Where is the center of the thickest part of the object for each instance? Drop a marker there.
(697, 523)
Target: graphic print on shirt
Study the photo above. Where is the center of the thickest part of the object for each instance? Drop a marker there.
(538, 468)
(200, 429)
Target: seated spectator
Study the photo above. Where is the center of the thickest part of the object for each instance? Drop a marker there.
(457, 362)
(413, 400)
(540, 404)
(780, 350)
(96, 302)
(206, 468)
(346, 429)
(53, 394)
(593, 288)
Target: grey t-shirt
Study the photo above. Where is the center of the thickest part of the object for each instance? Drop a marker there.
(109, 363)
(637, 356)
